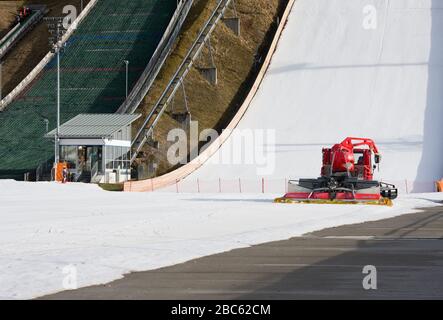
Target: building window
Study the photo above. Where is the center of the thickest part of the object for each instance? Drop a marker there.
(118, 158)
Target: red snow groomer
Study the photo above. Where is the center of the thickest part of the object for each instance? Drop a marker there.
(346, 178)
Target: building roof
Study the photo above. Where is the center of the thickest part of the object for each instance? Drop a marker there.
(94, 125)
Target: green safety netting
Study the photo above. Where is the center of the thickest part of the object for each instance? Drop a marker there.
(93, 77)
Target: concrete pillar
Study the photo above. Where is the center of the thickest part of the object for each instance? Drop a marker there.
(210, 74)
(153, 144)
(152, 168)
(233, 24)
(142, 171)
(182, 117)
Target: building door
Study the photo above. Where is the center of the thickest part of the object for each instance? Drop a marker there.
(95, 159)
(90, 162)
(82, 159)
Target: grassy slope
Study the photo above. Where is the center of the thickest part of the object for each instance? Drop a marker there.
(7, 9)
(214, 106)
(33, 47)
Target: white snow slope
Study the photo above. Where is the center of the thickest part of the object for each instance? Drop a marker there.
(362, 68)
(47, 227)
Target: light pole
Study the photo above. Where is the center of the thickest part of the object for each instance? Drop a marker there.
(1, 76)
(127, 76)
(57, 149)
(56, 29)
(46, 121)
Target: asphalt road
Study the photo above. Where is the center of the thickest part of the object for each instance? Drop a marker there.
(407, 253)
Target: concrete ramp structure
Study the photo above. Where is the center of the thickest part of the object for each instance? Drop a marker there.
(362, 68)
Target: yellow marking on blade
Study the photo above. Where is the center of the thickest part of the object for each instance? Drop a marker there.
(381, 202)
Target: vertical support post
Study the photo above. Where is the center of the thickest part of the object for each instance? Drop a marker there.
(56, 29)
(233, 22)
(127, 77)
(263, 185)
(406, 184)
(176, 185)
(1, 82)
(219, 185)
(185, 96)
(239, 184)
(210, 72)
(57, 135)
(211, 55)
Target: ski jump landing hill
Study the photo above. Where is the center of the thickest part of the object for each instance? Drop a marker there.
(93, 75)
(364, 68)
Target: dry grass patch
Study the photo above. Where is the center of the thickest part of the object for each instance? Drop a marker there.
(23, 58)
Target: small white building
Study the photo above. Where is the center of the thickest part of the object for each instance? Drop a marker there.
(97, 147)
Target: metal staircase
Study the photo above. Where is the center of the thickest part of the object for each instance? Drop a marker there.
(146, 80)
(146, 130)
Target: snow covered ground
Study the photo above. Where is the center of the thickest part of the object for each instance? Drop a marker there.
(45, 227)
